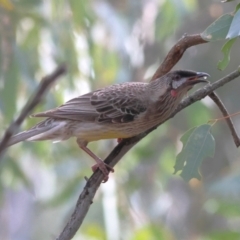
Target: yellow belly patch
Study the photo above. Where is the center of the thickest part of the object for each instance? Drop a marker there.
(93, 131)
(102, 133)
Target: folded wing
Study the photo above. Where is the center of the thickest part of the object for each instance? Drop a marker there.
(118, 103)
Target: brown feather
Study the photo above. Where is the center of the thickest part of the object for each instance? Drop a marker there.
(117, 104)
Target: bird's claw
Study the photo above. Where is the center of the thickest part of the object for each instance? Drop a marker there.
(104, 168)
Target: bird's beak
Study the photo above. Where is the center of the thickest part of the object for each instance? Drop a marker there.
(198, 78)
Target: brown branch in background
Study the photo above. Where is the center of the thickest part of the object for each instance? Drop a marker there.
(225, 113)
(30, 105)
(176, 52)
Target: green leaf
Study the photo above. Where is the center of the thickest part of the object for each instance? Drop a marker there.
(184, 139)
(222, 64)
(218, 30)
(234, 30)
(198, 144)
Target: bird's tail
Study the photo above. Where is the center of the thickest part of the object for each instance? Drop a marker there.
(48, 129)
(22, 136)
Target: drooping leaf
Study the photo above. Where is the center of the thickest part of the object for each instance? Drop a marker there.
(234, 30)
(180, 161)
(198, 144)
(218, 30)
(222, 64)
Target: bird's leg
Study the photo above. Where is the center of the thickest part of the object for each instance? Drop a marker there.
(99, 163)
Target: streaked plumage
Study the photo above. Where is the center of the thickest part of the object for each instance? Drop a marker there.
(118, 111)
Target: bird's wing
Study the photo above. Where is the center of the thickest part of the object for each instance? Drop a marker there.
(120, 103)
(117, 103)
(78, 108)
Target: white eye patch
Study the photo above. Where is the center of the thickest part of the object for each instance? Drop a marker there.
(177, 84)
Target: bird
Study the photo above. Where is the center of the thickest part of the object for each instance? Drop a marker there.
(114, 112)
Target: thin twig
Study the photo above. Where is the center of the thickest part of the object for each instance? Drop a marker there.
(32, 102)
(86, 197)
(225, 113)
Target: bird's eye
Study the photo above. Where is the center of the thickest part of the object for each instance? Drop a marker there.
(177, 77)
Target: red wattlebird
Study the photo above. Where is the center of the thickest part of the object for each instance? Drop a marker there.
(117, 111)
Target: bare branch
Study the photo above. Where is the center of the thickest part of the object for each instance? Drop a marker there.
(176, 52)
(30, 105)
(225, 113)
(86, 197)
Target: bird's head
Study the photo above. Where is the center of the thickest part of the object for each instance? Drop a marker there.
(181, 81)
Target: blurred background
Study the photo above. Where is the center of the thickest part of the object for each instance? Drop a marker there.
(105, 42)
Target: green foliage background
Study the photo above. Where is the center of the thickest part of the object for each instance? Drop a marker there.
(106, 42)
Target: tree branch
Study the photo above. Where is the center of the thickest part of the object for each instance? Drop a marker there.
(86, 197)
(225, 113)
(176, 52)
(30, 105)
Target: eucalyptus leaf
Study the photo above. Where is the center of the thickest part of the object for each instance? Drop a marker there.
(234, 30)
(222, 64)
(180, 161)
(218, 30)
(197, 145)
